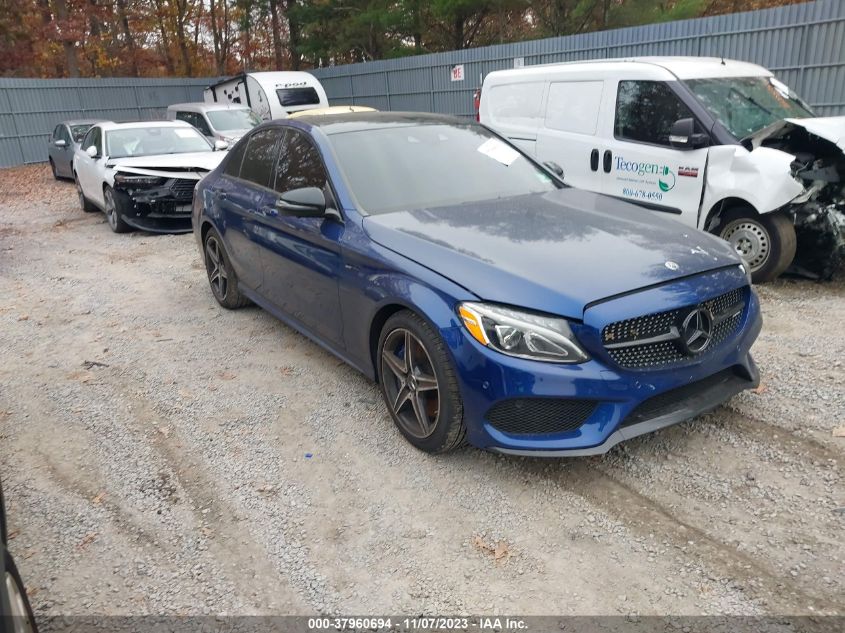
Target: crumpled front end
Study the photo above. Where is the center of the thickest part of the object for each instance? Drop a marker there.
(156, 200)
(819, 211)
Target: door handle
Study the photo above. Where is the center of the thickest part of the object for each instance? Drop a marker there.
(594, 160)
(608, 157)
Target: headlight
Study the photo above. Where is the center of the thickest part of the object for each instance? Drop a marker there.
(142, 181)
(522, 334)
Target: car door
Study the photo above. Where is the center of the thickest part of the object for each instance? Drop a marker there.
(240, 196)
(568, 135)
(87, 166)
(640, 164)
(302, 256)
(54, 151)
(64, 155)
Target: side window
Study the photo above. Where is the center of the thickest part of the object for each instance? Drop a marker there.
(92, 138)
(202, 125)
(259, 157)
(299, 164)
(573, 106)
(184, 116)
(57, 132)
(516, 104)
(64, 134)
(646, 110)
(234, 159)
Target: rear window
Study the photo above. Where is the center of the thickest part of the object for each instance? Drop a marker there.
(289, 97)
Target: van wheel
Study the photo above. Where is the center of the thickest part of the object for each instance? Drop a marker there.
(766, 242)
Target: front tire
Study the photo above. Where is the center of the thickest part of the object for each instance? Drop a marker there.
(113, 214)
(22, 619)
(766, 242)
(418, 383)
(85, 204)
(221, 275)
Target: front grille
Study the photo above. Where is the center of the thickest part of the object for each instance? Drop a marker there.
(652, 341)
(183, 188)
(535, 416)
(674, 399)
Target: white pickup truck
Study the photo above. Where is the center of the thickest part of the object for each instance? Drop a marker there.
(722, 144)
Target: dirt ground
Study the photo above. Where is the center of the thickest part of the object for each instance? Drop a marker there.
(161, 455)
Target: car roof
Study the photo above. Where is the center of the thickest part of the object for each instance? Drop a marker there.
(110, 125)
(201, 106)
(681, 67)
(357, 121)
(83, 121)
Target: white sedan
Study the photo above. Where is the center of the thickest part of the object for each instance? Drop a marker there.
(142, 175)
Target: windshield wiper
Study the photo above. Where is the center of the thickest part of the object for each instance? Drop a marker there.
(752, 101)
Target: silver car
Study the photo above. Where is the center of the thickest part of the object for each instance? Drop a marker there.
(64, 141)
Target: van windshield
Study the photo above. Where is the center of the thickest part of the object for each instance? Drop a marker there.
(745, 105)
(225, 120)
(433, 165)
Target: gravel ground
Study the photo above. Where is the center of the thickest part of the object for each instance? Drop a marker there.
(161, 455)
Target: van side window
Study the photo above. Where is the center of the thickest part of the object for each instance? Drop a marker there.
(646, 111)
(517, 104)
(573, 106)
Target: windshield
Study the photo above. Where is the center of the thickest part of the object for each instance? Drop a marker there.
(224, 120)
(147, 141)
(78, 131)
(745, 105)
(426, 166)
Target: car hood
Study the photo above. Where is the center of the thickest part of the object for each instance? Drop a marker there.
(171, 165)
(831, 128)
(554, 252)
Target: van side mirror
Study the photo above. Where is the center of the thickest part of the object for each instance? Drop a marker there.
(553, 167)
(683, 135)
(306, 202)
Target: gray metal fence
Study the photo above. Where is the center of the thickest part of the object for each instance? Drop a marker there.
(803, 44)
(31, 108)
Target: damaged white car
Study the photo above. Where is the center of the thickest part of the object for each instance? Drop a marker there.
(722, 144)
(142, 175)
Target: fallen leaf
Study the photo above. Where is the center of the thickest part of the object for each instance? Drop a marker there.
(98, 499)
(89, 538)
(165, 431)
(839, 432)
(23, 317)
(501, 551)
(227, 375)
(760, 389)
(12, 534)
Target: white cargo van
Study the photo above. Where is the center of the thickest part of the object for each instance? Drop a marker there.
(271, 95)
(721, 144)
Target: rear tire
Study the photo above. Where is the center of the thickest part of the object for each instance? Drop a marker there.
(85, 204)
(113, 213)
(22, 620)
(766, 242)
(420, 387)
(221, 275)
(53, 169)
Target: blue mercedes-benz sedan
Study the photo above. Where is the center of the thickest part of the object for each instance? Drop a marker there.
(492, 304)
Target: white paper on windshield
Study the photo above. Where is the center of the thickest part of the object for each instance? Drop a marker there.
(184, 133)
(495, 149)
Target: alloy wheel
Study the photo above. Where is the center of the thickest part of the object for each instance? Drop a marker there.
(750, 240)
(216, 267)
(410, 383)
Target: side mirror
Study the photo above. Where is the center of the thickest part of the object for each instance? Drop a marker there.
(220, 145)
(307, 202)
(683, 135)
(60, 143)
(553, 167)
(91, 150)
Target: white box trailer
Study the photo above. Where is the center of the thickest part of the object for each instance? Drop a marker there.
(271, 95)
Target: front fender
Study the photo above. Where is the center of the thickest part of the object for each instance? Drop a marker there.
(762, 178)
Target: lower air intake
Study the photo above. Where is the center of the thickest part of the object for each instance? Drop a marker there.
(539, 416)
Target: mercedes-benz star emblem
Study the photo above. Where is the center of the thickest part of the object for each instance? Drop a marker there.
(696, 331)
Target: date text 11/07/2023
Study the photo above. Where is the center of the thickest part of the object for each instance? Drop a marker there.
(417, 623)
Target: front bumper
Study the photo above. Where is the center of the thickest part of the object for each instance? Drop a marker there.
(155, 210)
(627, 402)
